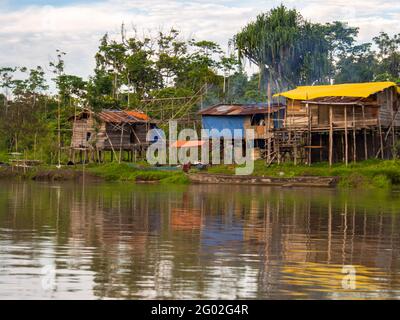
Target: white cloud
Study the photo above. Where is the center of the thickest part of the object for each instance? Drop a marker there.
(30, 35)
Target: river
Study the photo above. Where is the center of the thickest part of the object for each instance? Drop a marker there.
(124, 241)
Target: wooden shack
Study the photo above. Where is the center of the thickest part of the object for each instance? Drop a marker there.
(261, 117)
(110, 130)
(343, 122)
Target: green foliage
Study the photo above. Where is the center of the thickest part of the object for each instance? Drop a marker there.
(358, 64)
(125, 172)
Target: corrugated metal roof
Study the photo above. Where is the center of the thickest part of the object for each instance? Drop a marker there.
(117, 116)
(137, 114)
(240, 109)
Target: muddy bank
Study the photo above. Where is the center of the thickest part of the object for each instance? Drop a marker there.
(47, 174)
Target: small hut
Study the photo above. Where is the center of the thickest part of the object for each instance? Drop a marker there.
(110, 130)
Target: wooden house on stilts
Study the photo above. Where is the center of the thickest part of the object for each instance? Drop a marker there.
(115, 131)
(344, 122)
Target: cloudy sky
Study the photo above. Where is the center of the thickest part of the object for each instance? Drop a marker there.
(31, 30)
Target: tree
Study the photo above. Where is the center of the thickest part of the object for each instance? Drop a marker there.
(291, 51)
(58, 70)
(388, 56)
(358, 64)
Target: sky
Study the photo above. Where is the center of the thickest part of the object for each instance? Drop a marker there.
(32, 30)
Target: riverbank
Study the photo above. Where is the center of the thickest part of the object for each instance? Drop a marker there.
(365, 174)
(107, 172)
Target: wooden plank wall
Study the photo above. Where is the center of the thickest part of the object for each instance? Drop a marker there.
(79, 132)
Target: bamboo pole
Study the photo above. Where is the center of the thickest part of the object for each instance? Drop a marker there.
(330, 136)
(346, 148)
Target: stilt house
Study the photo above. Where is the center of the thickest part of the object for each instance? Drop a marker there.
(110, 130)
(342, 122)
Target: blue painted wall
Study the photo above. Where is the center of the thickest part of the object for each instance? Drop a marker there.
(224, 122)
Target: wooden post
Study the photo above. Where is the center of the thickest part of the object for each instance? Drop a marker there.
(373, 139)
(330, 136)
(365, 134)
(393, 125)
(380, 137)
(354, 137)
(320, 147)
(346, 146)
(268, 122)
(309, 134)
(120, 143)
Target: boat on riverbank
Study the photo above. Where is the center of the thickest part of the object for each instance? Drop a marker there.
(304, 181)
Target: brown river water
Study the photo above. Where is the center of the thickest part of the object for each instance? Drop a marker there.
(126, 241)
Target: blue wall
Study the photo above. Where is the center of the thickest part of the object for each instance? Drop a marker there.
(223, 122)
(236, 122)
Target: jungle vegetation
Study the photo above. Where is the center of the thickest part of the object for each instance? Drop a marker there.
(133, 68)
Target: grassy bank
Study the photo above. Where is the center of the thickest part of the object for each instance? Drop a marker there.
(365, 174)
(108, 172)
(127, 172)
(370, 173)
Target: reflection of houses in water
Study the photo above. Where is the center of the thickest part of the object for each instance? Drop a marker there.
(186, 219)
(186, 216)
(252, 242)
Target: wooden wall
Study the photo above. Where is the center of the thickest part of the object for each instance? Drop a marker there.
(80, 131)
(382, 106)
(106, 136)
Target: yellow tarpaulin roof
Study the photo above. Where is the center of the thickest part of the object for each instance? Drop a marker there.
(360, 90)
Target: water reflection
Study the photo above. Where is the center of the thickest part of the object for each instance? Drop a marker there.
(140, 241)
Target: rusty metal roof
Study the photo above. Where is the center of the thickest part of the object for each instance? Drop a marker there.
(117, 116)
(240, 109)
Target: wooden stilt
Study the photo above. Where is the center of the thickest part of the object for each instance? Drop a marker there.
(320, 150)
(309, 133)
(393, 127)
(380, 137)
(365, 134)
(354, 137)
(342, 144)
(373, 138)
(120, 143)
(346, 147)
(330, 135)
